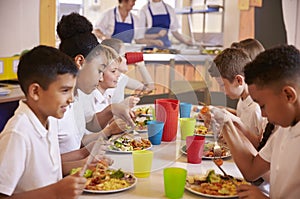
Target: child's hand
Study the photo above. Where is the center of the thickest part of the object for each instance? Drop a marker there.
(101, 149)
(123, 112)
(105, 160)
(250, 191)
(131, 101)
(69, 187)
(116, 127)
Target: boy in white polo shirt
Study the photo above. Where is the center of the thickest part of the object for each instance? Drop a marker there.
(274, 83)
(30, 162)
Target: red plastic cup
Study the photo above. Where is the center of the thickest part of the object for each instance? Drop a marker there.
(134, 57)
(166, 110)
(194, 148)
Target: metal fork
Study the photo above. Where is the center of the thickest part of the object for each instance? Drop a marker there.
(217, 148)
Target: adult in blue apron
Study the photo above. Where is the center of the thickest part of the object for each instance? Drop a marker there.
(160, 22)
(123, 31)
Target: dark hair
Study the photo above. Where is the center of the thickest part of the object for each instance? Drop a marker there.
(114, 43)
(275, 66)
(75, 33)
(42, 65)
(251, 46)
(229, 63)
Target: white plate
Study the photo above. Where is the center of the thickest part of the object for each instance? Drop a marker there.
(4, 91)
(183, 150)
(207, 195)
(113, 191)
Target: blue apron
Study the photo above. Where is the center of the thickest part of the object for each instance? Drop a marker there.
(159, 22)
(123, 31)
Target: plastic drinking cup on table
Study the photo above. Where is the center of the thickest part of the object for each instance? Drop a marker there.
(194, 148)
(185, 109)
(166, 110)
(142, 163)
(134, 57)
(187, 127)
(174, 182)
(155, 130)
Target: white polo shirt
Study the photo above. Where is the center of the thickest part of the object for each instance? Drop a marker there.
(29, 153)
(145, 17)
(106, 22)
(250, 114)
(72, 127)
(281, 151)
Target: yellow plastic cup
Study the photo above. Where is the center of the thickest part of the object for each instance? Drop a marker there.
(187, 127)
(142, 163)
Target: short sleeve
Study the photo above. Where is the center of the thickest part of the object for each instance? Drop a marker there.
(174, 26)
(12, 160)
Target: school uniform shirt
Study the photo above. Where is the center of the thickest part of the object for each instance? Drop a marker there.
(250, 114)
(281, 152)
(107, 21)
(29, 153)
(72, 127)
(158, 8)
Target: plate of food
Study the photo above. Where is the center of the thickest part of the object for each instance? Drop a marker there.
(202, 130)
(213, 185)
(208, 151)
(101, 179)
(143, 114)
(126, 143)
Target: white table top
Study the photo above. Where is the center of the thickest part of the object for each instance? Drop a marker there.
(165, 155)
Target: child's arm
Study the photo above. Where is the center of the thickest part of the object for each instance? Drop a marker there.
(148, 81)
(250, 191)
(251, 166)
(69, 187)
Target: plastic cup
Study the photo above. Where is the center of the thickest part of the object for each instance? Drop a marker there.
(187, 127)
(142, 163)
(155, 130)
(174, 182)
(185, 109)
(194, 149)
(134, 57)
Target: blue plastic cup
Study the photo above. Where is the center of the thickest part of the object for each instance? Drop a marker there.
(155, 131)
(185, 109)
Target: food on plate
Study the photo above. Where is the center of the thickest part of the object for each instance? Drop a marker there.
(202, 130)
(214, 184)
(128, 142)
(160, 50)
(102, 178)
(208, 150)
(141, 122)
(143, 111)
(143, 115)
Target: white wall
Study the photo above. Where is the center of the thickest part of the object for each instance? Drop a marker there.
(291, 16)
(19, 26)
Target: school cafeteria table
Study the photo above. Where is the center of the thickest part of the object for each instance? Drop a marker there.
(168, 154)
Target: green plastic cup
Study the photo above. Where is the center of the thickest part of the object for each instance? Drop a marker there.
(174, 182)
(187, 127)
(142, 163)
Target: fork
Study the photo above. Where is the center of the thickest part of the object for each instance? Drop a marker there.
(229, 177)
(217, 148)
